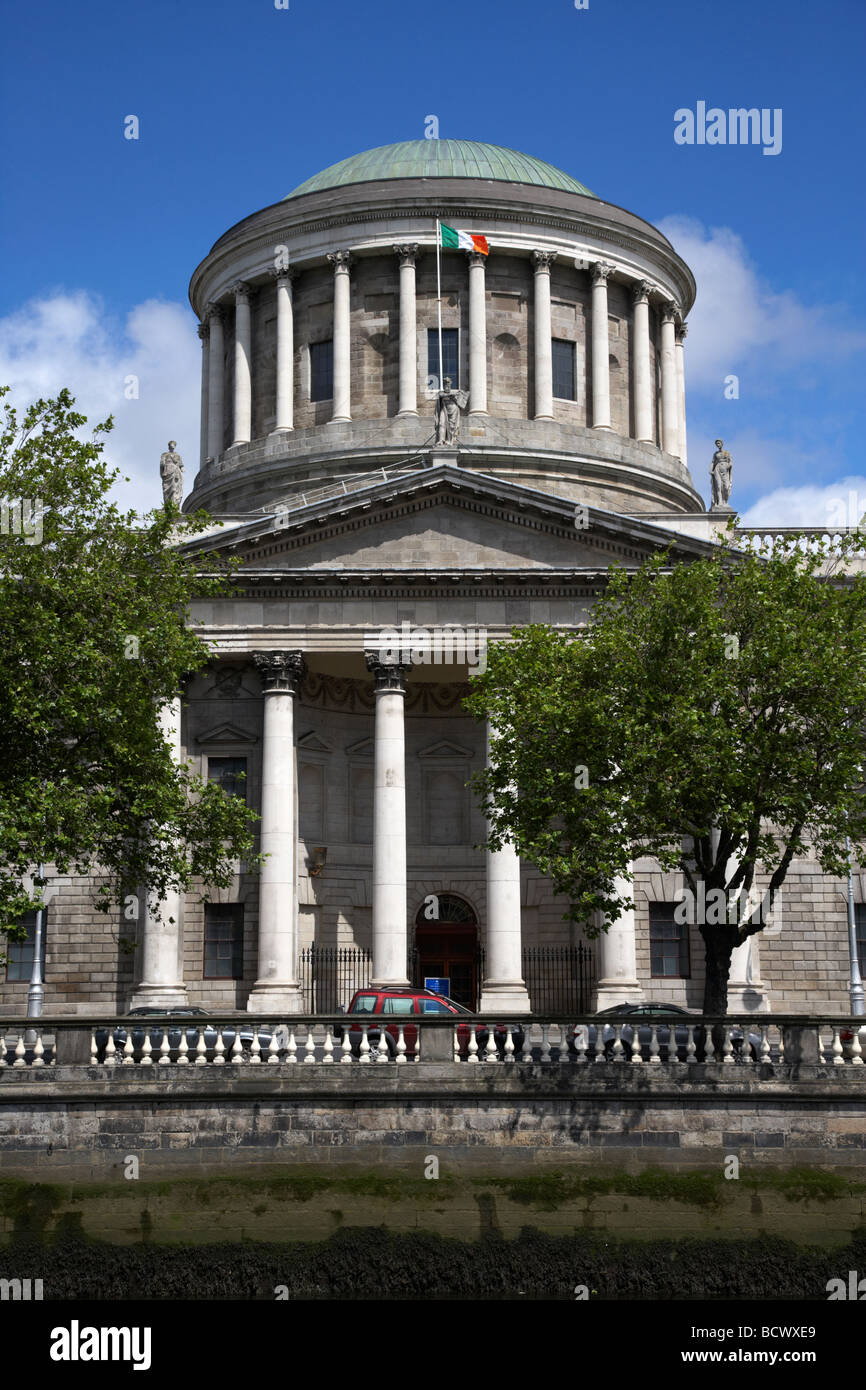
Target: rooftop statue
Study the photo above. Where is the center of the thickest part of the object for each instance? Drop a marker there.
(171, 473)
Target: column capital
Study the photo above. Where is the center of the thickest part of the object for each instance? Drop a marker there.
(406, 253)
(389, 678)
(543, 260)
(476, 258)
(204, 331)
(669, 312)
(214, 310)
(641, 291)
(340, 260)
(286, 272)
(281, 672)
(600, 272)
(241, 290)
(681, 329)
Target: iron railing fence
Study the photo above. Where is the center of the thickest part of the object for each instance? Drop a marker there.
(559, 979)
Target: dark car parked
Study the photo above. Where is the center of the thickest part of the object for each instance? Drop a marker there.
(654, 1013)
(400, 1005)
(174, 1034)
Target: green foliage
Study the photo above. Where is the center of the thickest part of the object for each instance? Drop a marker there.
(722, 700)
(87, 782)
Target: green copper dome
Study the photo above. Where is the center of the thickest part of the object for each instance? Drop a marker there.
(426, 159)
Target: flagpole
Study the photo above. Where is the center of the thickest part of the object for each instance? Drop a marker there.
(439, 298)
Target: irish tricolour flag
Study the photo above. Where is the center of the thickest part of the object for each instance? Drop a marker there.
(462, 241)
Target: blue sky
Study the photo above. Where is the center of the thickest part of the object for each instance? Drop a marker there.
(238, 102)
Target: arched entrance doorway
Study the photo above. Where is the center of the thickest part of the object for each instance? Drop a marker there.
(446, 947)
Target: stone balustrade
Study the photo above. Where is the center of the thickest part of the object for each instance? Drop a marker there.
(766, 1046)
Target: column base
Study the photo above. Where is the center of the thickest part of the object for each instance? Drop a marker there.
(340, 420)
(281, 429)
(603, 427)
(543, 417)
(407, 414)
(270, 998)
(612, 993)
(159, 997)
(504, 997)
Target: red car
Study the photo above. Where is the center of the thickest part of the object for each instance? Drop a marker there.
(404, 1004)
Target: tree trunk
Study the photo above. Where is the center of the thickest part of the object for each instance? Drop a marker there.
(718, 948)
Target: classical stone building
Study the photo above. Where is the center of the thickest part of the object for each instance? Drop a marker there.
(320, 371)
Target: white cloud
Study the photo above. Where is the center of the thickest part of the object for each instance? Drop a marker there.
(739, 322)
(68, 339)
(842, 503)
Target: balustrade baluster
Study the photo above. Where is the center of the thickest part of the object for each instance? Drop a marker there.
(20, 1060)
(508, 1053)
(200, 1047)
(309, 1047)
(164, 1049)
(346, 1048)
(728, 1048)
(636, 1055)
(274, 1049)
(617, 1050)
(654, 1051)
(183, 1050)
(237, 1050)
(328, 1046)
(364, 1046)
(383, 1053)
(401, 1044)
(292, 1046)
(94, 1052)
(580, 1037)
(838, 1051)
(598, 1045)
(856, 1048)
(38, 1051)
(491, 1052)
(219, 1049)
(472, 1051)
(709, 1045)
(256, 1047)
(691, 1050)
(146, 1049)
(545, 1042)
(764, 1052)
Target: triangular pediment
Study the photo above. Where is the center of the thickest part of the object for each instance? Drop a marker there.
(313, 743)
(444, 748)
(226, 733)
(447, 519)
(363, 748)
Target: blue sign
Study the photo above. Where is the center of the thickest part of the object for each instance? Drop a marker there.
(438, 984)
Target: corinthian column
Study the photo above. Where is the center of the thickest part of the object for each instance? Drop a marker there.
(276, 988)
(216, 370)
(408, 400)
(670, 394)
(643, 405)
(204, 335)
(542, 260)
(161, 984)
(341, 260)
(600, 348)
(503, 987)
(681, 331)
(477, 335)
(285, 352)
(243, 350)
(389, 825)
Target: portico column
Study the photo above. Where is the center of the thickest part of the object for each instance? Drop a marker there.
(542, 260)
(503, 987)
(276, 988)
(341, 260)
(681, 331)
(477, 335)
(284, 420)
(408, 397)
(162, 983)
(202, 451)
(600, 349)
(216, 369)
(670, 395)
(389, 825)
(643, 410)
(617, 981)
(243, 350)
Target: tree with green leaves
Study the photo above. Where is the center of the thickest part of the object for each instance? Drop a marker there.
(95, 640)
(710, 715)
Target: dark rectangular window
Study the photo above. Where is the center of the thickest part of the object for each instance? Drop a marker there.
(231, 773)
(19, 954)
(860, 924)
(223, 941)
(450, 355)
(563, 370)
(669, 944)
(322, 371)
